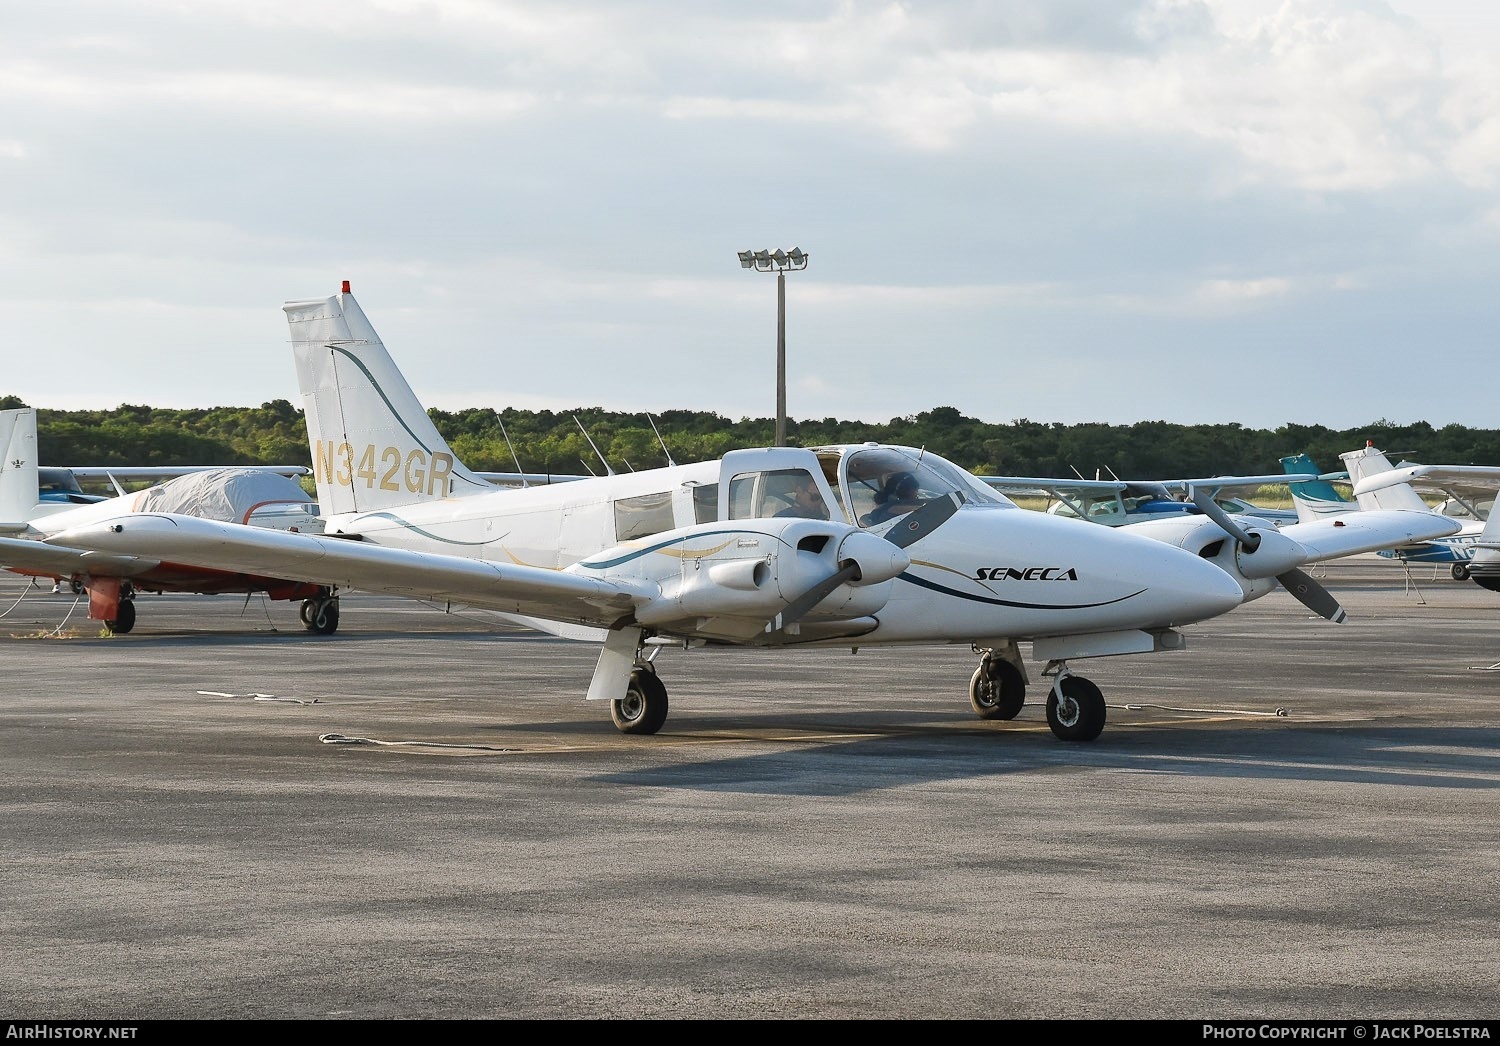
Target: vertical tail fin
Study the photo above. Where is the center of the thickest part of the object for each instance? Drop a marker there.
(373, 445)
(1368, 461)
(1315, 499)
(18, 469)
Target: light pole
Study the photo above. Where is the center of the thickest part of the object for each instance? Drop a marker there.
(778, 261)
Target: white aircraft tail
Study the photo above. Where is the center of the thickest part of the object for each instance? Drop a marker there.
(1367, 462)
(18, 469)
(373, 445)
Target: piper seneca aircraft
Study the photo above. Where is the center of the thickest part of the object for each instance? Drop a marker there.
(847, 546)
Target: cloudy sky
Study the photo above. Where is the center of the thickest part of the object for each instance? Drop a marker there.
(1199, 211)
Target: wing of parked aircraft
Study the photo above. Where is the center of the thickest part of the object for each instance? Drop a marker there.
(1116, 502)
(1378, 485)
(249, 498)
(843, 545)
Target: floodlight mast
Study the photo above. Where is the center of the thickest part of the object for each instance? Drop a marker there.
(779, 262)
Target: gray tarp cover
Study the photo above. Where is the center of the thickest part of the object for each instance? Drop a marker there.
(224, 494)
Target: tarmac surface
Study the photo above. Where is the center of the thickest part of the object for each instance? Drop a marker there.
(223, 816)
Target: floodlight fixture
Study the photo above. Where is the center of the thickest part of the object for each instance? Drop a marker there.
(780, 262)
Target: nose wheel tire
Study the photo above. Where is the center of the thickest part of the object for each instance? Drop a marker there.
(643, 709)
(997, 690)
(1460, 572)
(1078, 715)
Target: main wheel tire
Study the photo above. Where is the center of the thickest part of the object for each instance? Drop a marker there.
(1079, 716)
(643, 709)
(124, 618)
(1460, 572)
(325, 617)
(997, 689)
(305, 612)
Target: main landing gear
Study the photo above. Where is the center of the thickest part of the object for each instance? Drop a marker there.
(643, 709)
(1075, 706)
(320, 614)
(124, 619)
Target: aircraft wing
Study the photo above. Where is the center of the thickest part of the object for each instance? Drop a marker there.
(173, 471)
(1216, 482)
(31, 556)
(1368, 531)
(554, 595)
(1161, 488)
(1434, 477)
(1041, 486)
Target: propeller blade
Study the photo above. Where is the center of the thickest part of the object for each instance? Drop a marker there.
(923, 521)
(1203, 498)
(1312, 595)
(910, 528)
(814, 595)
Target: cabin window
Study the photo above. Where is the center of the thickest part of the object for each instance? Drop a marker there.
(761, 495)
(643, 516)
(705, 503)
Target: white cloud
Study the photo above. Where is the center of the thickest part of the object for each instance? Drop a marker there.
(555, 192)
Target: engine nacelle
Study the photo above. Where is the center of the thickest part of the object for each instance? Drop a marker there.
(1256, 571)
(750, 570)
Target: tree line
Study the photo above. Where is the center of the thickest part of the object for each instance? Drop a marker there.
(554, 442)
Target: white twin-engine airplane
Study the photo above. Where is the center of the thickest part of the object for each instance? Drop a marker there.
(731, 552)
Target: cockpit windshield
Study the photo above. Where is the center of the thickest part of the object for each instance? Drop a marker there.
(881, 483)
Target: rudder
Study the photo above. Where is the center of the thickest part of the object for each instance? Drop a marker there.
(373, 445)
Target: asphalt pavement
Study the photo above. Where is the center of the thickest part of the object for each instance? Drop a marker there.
(222, 815)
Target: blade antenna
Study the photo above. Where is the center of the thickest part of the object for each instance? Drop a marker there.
(586, 436)
(512, 447)
(663, 442)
